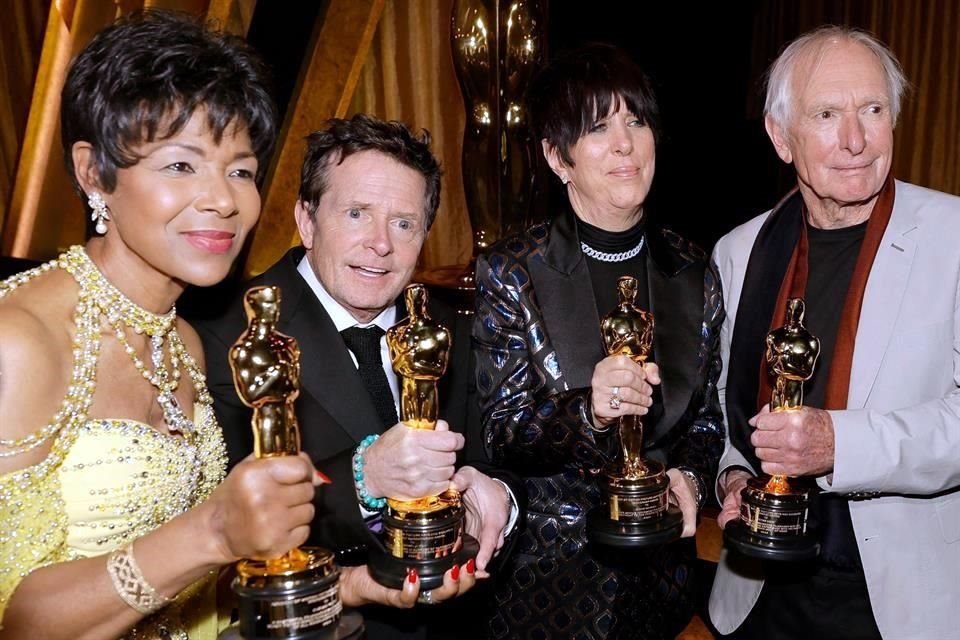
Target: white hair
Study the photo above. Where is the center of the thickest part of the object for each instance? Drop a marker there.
(779, 102)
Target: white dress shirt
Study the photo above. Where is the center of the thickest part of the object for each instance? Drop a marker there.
(343, 320)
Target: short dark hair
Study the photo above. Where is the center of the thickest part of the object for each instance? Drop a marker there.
(583, 85)
(344, 137)
(143, 77)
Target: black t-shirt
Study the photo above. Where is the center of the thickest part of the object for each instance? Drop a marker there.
(830, 262)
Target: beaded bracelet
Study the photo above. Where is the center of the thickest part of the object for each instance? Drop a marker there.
(374, 504)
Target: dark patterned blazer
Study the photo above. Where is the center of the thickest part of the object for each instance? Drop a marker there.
(536, 340)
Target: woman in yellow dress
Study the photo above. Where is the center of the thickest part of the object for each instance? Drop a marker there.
(115, 508)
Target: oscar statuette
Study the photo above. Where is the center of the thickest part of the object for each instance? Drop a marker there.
(295, 596)
(425, 533)
(637, 513)
(773, 512)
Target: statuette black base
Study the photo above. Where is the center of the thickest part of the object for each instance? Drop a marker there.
(773, 525)
(623, 535)
(300, 603)
(391, 571)
(738, 536)
(637, 512)
(349, 627)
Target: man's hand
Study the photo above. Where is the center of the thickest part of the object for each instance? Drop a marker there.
(407, 463)
(734, 481)
(488, 510)
(683, 493)
(794, 443)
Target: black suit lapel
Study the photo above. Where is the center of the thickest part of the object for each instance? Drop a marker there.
(327, 372)
(562, 284)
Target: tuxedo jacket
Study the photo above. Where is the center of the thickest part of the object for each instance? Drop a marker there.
(537, 340)
(897, 444)
(334, 409)
(335, 412)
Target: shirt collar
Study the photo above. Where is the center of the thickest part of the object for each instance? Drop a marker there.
(342, 319)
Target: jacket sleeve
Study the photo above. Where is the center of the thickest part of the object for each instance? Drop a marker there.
(702, 440)
(524, 422)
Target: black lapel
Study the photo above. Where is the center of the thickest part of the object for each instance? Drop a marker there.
(678, 315)
(766, 268)
(327, 372)
(562, 284)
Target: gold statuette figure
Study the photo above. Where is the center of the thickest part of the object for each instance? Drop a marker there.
(419, 352)
(425, 533)
(628, 331)
(266, 374)
(791, 355)
(773, 512)
(297, 594)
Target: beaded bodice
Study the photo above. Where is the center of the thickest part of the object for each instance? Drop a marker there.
(104, 482)
(121, 479)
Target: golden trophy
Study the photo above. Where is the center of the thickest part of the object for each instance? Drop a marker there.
(425, 533)
(773, 512)
(295, 596)
(637, 513)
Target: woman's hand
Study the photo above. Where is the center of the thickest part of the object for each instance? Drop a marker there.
(358, 588)
(620, 377)
(263, 508)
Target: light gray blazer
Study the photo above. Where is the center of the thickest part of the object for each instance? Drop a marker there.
(898, 442)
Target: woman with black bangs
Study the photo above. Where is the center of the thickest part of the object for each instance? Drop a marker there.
(548, 393)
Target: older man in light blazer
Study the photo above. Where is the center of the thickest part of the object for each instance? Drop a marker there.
(878, 262)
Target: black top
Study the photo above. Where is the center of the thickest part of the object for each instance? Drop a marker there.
(604, 276)
(831, 261)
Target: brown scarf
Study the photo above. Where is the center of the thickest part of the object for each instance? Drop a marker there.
(794, 285)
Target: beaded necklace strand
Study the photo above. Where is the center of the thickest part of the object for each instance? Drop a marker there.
(97, 297)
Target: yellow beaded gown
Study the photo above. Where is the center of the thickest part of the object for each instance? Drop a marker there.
(106, 482)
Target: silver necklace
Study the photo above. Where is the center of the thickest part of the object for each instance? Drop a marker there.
(603, 256)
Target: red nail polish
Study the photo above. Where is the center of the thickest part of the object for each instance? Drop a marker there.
(412, 576)
(471, 566)
(322, 477)
(455, 572)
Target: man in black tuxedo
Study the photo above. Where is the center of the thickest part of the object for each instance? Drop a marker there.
(368, 196)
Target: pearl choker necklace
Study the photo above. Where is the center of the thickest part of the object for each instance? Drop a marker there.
(603, 256)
